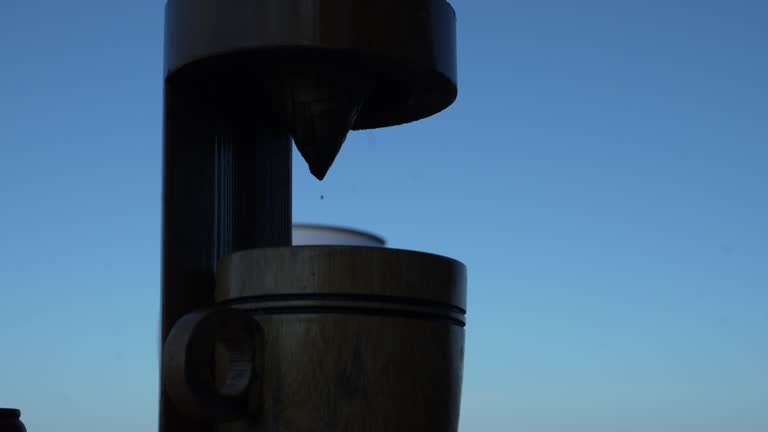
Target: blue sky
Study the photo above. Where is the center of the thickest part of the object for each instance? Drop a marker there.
(602, 174)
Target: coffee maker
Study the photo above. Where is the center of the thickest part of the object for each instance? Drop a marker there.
(259, 335)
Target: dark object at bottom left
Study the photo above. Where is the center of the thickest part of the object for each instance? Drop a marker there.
(10, 421)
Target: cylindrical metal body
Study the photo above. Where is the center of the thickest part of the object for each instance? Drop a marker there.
(404, 49)
(226, 187)
(355, 338)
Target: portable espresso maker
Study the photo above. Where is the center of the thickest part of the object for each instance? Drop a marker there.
(259, 335)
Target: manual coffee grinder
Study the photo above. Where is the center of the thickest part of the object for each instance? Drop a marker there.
(261, 336)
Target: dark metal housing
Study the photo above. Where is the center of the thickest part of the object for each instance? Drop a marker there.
(245, 77)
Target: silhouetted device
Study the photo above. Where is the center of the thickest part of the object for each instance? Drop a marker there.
(261, 336)
(10, 420)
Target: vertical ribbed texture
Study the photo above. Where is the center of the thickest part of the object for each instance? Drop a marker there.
(223, 178)
(226, 187)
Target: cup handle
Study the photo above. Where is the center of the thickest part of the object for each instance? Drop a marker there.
(212, 364)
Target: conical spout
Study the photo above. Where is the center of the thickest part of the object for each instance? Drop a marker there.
(323, 115)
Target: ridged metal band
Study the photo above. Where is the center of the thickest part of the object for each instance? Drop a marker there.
(344, 276)
(349, 305)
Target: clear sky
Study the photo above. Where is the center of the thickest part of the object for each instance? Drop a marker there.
(603, 175)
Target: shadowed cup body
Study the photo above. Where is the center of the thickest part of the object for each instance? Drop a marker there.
(354, 338)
